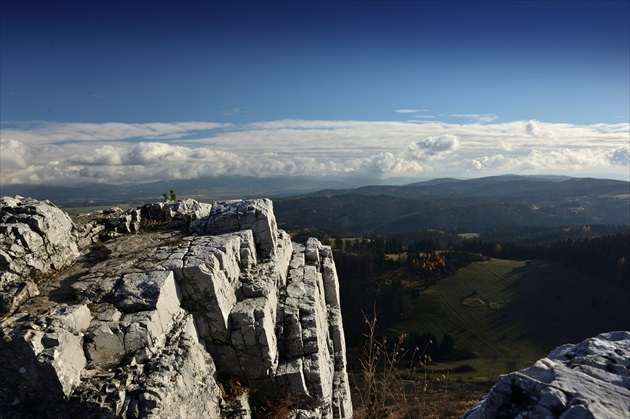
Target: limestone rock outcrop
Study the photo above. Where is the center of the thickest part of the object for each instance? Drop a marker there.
(218, 315)
(588, 380)
(36, 238)
(184, 210)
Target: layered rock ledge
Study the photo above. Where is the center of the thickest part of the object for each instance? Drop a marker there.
(179, 309)
(588, 380)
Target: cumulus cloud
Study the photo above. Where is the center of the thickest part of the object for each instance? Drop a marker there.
(569, 159)
(119, 153)
(620, 157)
(13, 154)
(434, 146)
(537, 130)
(156, 153)
(485, 163)
(106, 155)
(547, 161)
(384, 163)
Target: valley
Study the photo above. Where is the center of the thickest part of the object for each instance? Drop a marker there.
(482, 276)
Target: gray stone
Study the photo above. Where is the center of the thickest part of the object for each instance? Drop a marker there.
(256, 215)
(185, 211)
(62, 351)
(76, 319)
(586, 380)
(311, 255)
(105, 344)
(36, 238)
(253, 337)
(94, 287)
(68, 359)
(147, 291)
(14, 293)
(210, 281)
(290, 377)
(312, 332)
(154, 317)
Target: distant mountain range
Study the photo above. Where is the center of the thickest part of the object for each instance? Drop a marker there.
(204, 189)
(464, 205)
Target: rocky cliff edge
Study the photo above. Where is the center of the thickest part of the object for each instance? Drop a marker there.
(590, 379)
(178, 309)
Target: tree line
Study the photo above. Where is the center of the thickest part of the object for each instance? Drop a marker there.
(605, 258)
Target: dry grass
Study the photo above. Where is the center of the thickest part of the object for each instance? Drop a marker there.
(395, 382)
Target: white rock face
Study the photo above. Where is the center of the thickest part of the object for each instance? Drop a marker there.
(36, 238)
(184, 210)
(63, 351)
(148, 322)
(588, 380)
(256, 215)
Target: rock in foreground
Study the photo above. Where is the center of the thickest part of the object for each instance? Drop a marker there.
(220, 315)
(588, 380)
(35, 238)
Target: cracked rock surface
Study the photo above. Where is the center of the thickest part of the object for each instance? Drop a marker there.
(133, 323)
(36, 238)
(588, 380)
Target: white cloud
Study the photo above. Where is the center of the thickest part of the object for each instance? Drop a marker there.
(66, 153)
(569, 159)
(480, 118)
(410, 110)
(420, 117)
(433, 146)
(106, 155)
(384, 164)
(537, 130)
(620, 157)
(485, 163)
(13, 154)
(111, 131)
(235, 111)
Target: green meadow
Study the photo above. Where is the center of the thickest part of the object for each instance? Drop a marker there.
(511, 313)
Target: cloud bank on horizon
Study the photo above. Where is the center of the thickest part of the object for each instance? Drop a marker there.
(71, 153)
(362, 90)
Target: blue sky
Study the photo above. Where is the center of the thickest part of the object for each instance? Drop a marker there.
(311, 86)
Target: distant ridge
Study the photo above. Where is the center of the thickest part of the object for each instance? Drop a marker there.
(466, 205)
(504, 185)
(436, 181)
(204, 188)
(209, 188)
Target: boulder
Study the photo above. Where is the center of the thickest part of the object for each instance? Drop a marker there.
(256, 215)
(184, 210)
(36, 238)
(590, 379)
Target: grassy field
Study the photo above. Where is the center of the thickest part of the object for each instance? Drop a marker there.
(511, 313)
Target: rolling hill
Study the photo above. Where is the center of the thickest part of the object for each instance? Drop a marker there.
(465, 205)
